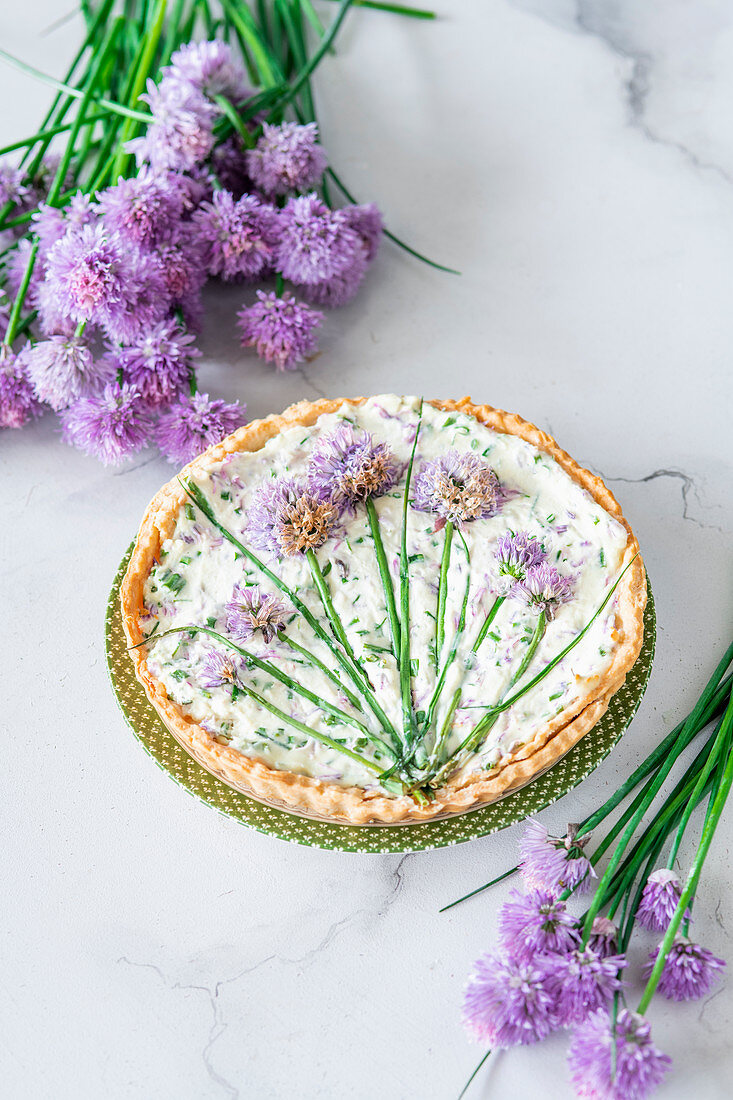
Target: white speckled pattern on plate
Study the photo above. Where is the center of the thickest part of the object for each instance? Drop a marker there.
(547, 788)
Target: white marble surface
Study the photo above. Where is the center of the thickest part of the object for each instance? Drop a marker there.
(576, 163)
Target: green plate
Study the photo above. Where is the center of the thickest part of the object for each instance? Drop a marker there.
(561, 778)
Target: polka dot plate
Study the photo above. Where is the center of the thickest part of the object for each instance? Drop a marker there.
(547, 788)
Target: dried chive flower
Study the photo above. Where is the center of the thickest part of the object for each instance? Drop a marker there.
(218, 670)
(544, 589)
(251, 611)
(349, 467)
(457, 487)
(286, 516)
(515, 555)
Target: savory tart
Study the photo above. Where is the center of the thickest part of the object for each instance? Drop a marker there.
(383, 610)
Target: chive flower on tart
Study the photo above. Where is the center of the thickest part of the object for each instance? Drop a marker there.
(384, 609)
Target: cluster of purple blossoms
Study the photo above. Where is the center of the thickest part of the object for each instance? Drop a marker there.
(544, 980)
(523, 573)
(250, 611)
(458, 487)
(118, 277)
(349, 467)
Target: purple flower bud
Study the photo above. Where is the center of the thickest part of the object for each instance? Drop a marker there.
(194, 423)
(659, 900)
(507, 1002)
(286, 158)
(459, 487)
(18, 401)
(110, 426)
(250, 611)
(689, 971)
(239, 236)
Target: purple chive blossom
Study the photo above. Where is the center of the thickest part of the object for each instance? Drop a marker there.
(110, 426)
(366, 220)
(659, 900)
(180, 136)
(143, 209)
(238, 235)
(550, 863)
(90, 274)
(230, 166)
(544, 589)
(639, 1065)
(582, 982)
(18, 401)
(603, 938)
(458, 487)
(194, 423)
(341, 288)
(50, 223)
(316, 244)
(287, 517)
(12, 188)
(210, 68)
(251, 610)
(348, 466)
(535, 924)
(515, 554)
(689, 972)
(62, 368)
(282, 330)
(218, 670)
(286, 158)
(158, 363)
(507, 1002)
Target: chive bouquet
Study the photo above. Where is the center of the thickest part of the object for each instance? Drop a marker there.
(558, 969)
(181, 146)
(293, 517)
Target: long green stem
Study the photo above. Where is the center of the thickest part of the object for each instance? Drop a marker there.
(443, 591)
(151, 39)
(440, 684)
(688, 892)
(312, 659)
(75, 93)
(408, 718)
(324, 593)
(471, 742)
(309, 732)
(465, 1088)
(652, 790)
(385, 576)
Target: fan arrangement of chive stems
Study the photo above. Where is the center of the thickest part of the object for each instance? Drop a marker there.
(96, 110)
(412, 758)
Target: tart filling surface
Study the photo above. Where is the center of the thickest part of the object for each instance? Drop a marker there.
(528, 533)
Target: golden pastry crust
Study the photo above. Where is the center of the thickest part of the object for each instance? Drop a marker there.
(315, 797)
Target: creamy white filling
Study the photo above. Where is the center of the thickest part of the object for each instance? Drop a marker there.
(198, 571)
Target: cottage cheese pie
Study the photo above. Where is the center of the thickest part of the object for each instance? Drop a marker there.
(383, 610)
